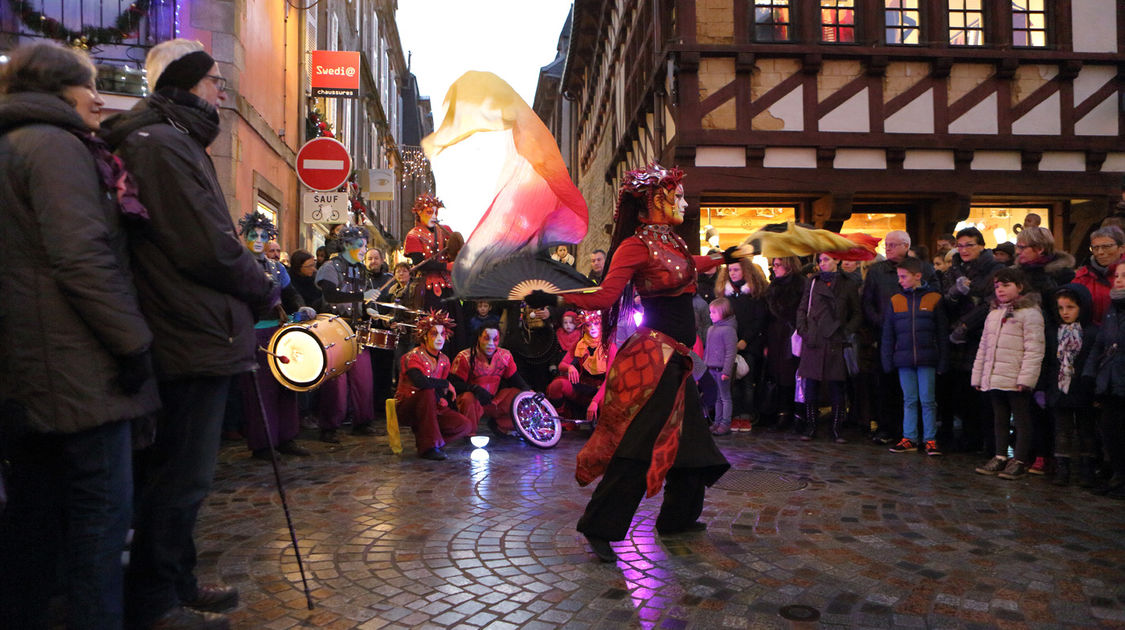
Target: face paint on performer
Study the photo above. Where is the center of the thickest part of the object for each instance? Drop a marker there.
(256, 239)
(594, 328)
(435, 339)
(354, 248)
(427, 216)
(668, 207)
(488, 341)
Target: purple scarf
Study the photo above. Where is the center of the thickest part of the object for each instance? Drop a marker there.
(115, 179)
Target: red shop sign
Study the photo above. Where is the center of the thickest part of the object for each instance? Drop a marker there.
(335, 73)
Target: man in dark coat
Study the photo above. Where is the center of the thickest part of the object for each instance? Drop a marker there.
(200, 289)
(967, 298)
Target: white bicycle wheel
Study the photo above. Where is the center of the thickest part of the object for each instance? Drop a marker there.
(536, 419)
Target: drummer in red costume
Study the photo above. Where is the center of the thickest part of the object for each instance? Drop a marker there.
(651, 431)
(426, 245)
(479, 373)
(425, 396)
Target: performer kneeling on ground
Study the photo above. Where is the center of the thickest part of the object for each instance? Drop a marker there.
(280, 404)
(582, 370)
(480, 374)
(651, 427)
(425, 396)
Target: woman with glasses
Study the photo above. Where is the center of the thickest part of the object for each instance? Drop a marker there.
(1107, 247)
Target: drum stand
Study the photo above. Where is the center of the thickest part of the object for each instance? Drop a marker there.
(280, 487)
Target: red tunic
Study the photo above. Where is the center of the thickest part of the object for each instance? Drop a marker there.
(485, 373)
(430, 244)
(419, 359)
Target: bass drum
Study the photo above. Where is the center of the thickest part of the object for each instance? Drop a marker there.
(536, 419)
(317, 350)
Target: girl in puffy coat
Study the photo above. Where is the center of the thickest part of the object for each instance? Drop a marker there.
(1007, 368)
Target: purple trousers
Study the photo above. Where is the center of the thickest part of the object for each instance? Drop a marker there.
(280, 403)
(354, 389)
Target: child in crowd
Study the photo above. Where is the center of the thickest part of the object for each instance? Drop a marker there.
(484, 318)
(721, 346)
(1007, 368)
(1107, 367)
(1070, 396)
(568, 333)
(914, 343)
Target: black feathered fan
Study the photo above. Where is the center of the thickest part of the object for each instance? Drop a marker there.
(514, 277)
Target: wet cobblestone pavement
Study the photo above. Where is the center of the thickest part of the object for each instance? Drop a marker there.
(800, 535)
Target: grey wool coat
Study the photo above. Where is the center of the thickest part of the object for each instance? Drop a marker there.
(826, 325)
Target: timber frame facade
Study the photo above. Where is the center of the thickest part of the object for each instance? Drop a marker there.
(835, 128)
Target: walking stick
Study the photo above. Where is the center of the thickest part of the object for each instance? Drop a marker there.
(280, 488)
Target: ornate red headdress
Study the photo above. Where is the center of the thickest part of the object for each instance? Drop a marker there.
(588, 317)
(424, 201)
(433, 318)
(642, 183)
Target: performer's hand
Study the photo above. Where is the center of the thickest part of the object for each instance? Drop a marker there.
(572, 374)
(304, 314)
(592, 412)
(371, 295)
(539, 299)
(725, 377)
(741, 345)
(452, 392)
(443, 403)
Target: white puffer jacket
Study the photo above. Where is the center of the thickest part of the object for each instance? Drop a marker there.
(1011, 346)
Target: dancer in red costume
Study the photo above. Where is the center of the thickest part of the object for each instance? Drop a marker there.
(480, 374)
(424, 396)
(582, 370)
(427, 245)
(651, 430)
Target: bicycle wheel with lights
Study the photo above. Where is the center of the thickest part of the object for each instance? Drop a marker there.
(536, 419)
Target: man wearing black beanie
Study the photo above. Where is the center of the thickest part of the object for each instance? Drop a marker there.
(201, 291)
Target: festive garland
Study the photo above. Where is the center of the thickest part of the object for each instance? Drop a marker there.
(126, 24)
(315, 127)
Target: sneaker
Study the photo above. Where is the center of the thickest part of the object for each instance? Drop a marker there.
(1014, 470)
(882, 437)
(1039, 467)
(994, 465)
(721, 428)
(932, 448)
(904, 446)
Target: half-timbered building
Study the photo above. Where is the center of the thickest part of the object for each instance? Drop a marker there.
(864, 115)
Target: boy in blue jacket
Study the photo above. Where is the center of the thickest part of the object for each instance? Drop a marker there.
(914, 335)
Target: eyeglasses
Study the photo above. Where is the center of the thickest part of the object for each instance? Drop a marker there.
(1022, 247)
(1103, 248)
(220, 82)
(966, 245)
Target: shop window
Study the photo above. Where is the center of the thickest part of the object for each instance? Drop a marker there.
(1001, 224)
(1029, 23)
(875, 224)
(268, 208)
(724, 226)
(966, 23)
(772, 21)
(902, 18)
(837, 20)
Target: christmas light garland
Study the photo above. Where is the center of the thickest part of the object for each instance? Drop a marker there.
(125, 25)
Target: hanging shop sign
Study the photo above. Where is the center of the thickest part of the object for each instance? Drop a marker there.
(335, 73)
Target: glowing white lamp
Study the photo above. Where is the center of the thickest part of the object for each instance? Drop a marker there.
(479, 441)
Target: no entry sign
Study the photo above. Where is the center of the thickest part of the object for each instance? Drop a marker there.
(323, 164)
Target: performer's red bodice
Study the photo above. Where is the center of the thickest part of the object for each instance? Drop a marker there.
(485, 373)
(419, 359)
(670, 270)
(430, 244)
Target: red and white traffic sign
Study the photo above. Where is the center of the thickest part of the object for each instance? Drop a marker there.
(323, 164)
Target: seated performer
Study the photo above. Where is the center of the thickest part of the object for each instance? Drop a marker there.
(281, 422)
(478, 375)
(344, 281)
(582, 369)
(425, 396)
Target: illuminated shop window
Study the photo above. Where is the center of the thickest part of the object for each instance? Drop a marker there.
(1029, 23)
(724, 226)
(837, 20)
(875, 224)
(966, 23)
(772, 20)
(1001, 224)
(902, 18)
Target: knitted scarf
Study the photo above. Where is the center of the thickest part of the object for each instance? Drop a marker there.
(1070, 344)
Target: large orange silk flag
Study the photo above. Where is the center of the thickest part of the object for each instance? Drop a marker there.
(795, 240)
(535, 205)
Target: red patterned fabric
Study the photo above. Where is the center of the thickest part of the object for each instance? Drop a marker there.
(418, 358)
(633, 377)
(486, 372)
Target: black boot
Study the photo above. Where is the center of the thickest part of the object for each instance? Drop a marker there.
(838, 417)
(1086, 478)
(809, 432)
(1062, 471)
(783, 421)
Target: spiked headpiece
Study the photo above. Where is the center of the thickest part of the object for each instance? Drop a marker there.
(424, 201)
(585, 318)
(351, 232)
(257, 220)
(433, 318)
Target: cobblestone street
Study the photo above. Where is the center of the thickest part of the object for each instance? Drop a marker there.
(799, 535)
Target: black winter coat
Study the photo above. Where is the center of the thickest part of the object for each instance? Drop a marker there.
(199, 286)
(1081, 390)
(783, 297)
(1045, 278)
(69, 309)
(1107, 359)
(832, 318)
(972, 309)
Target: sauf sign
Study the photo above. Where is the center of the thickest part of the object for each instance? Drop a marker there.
(335, 73)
